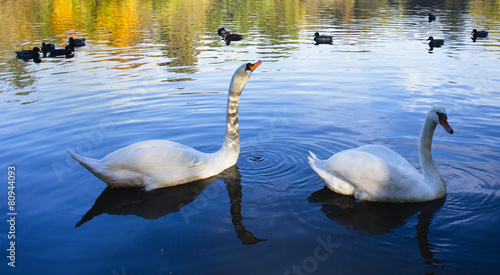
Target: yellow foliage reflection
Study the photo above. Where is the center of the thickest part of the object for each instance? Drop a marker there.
(180, 27)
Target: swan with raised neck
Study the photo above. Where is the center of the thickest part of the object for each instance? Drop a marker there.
(161, 163)
(230, 149)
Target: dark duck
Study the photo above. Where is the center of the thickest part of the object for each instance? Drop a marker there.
(29, 54)
(78, 42)
(431, 17)
(228, 37)
(322, 39)
(47, 48)
(67, 52)
(435, 42)
(475, 34)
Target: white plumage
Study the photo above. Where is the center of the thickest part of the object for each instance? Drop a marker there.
(376, 173)
(160, 163)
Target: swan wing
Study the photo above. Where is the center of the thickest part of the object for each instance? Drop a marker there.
(388, 155)
(153, 156)
(154, 164)
(375, 173)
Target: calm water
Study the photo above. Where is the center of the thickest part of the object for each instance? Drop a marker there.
(158, 70)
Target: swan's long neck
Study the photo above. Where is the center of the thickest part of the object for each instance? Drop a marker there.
(431, 175)
(232, 136)
(230, 149)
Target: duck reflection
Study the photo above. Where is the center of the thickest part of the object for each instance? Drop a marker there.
(379, 218)
(160, 202)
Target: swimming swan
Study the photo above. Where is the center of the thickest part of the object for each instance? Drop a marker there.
(376, 173)
(160, 163)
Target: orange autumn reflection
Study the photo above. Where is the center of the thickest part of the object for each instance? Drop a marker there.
(181, 27)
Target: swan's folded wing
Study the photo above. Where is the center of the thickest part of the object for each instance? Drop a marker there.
(359, 168)
(388, 156)
(120, 153)
(370, 173)
(154, 157)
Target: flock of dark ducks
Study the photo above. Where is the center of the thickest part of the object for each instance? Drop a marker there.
(327, 39)
(49, 50)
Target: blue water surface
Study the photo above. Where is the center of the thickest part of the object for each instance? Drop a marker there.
(158, 70)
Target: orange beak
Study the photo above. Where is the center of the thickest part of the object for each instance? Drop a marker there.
(255, 65)
(444, 122)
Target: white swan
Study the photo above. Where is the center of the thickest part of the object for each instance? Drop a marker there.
(160, 163)
(376, 173)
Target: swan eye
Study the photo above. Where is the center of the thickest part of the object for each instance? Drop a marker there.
(442, 116)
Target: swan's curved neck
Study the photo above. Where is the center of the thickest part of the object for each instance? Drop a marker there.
(431, 175)
(232, 136)
(230, 149)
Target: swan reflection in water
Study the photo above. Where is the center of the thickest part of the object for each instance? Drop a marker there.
(160, 202)
(377, 218)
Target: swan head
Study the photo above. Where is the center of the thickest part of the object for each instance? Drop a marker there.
(245, 70)
(438, 115)
(252, 66)
(241, 76)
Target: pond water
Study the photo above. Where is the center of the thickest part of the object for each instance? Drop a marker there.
(158, 70)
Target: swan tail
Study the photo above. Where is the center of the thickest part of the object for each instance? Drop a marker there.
(315, 163)
(332, 180)
(89, 163)
(312, 158)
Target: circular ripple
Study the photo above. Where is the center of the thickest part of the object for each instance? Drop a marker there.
(281, 164)
(279, 159)
(256, 158)
(472, 191)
